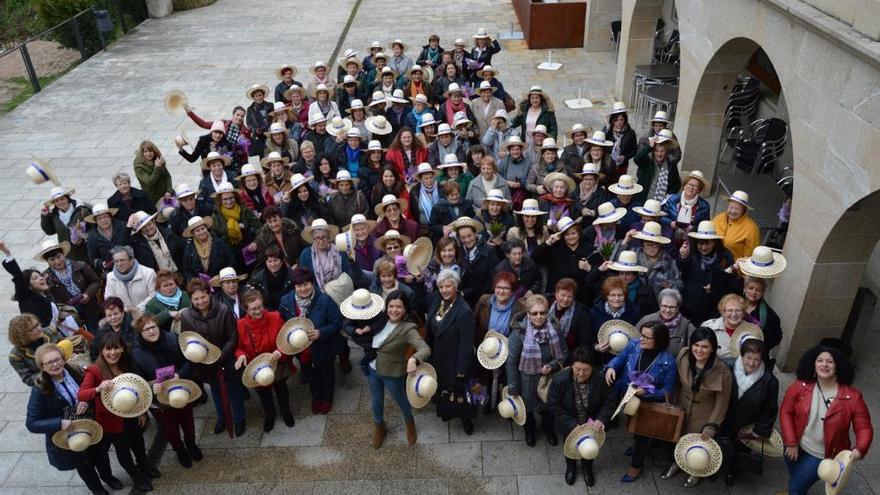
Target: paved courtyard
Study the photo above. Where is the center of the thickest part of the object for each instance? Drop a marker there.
(89, 124)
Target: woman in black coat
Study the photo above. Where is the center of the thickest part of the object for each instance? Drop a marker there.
(449, 208)
(760, 313)
(220, 255)
(579, 395)
(618, 131)
(517, 262)
(565, 255)
(31, 290)
(450, 334)
(754, 401)
(127, 199)
(702, 261)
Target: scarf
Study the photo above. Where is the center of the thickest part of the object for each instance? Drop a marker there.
(472, 253)
(385, 291)
(661, 183)
(160, 250)
(707, 262)
(530, 361)
(565, 319)
(433, 54)
(304, 303)
(232, 132)
(327, 265)
(427, 199)
(673, 323)
(125, 278)
(257, 198)
(586, 193)
(66, 278)
(353, 160)
(686, 210)
(204, 251)
(744, 381)
(324, 107)
(170, 301)
(233, 228)
(452, 108)
(559, 207)
(615, 314)
(65, 216)
(499, 316)
(67, 388)
(633, 289)
(417, 117)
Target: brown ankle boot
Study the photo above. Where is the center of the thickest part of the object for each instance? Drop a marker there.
(411, 432)
(378, 435)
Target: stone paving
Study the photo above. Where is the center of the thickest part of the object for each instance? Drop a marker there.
(89, 123)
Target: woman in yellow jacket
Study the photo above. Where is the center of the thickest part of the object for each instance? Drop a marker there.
(741, 233)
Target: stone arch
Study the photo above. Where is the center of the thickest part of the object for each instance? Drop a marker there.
(639, 23)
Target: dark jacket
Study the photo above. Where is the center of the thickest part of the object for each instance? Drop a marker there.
(547, 117)
(697, 304)
(628, 144)
(770, 323)
(572, 159)
(150, 356)
(144, 254)
(248, 218)
(83, 277)
(452, 343)
(598, 316)
(221, 297)
(415, 211)
(592, 203)
(672, 204)
(98, 247)
(476, 275)
(29, 301)
(218, 327)
(204, 146)
(272, 297)
(126, 331)
(291, 237)
(445, 213)
(220, 257)
(52, 225)
(206, 188)
(257, 119)
(759, 405)
(563, 394)
(179, 218)
(579, 332)
(140, 201)
(528, 275)
(325, 314)
(644, 159)
(343, 207)
(485, 57)
(562, 262)
(435, 158)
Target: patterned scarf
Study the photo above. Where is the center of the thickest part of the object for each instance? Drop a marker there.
(530, 361)
(452, 108)
(233, 228)
(659, 186)
(66, 278)
(203, 249)
(615, 314)
(686, 210)
(427, 199)
(561, 207)
(160, 250)
(304, 303)
(565, 320)
(328, 266)
(673, 323)
(707, 262)
(232, 132)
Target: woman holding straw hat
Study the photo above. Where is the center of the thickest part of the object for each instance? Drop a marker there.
(276, 178)
(484, 48)
(450, 207)
(390, 183)
(662, 270)
(123, 433)
(63, 216)
(154, 350)
(151, 172)
(534, 110)
(285, 74)
(257, 117)
(390, 213)
(817, 413)
(548, 163)
(623, 137)
(740, 232)
(64, 282)
(51, 400)
(301, 204)
(612, 305)
(528, 228)
(215, 141)
(589, 194)
(496, 217)
(557, 201)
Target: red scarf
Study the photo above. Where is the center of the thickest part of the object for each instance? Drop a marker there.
(452, 109)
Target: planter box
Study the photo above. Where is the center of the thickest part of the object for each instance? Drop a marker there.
(552, 25)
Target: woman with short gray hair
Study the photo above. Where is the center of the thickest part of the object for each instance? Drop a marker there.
(680, 328)
(131, 282)
(128, 199)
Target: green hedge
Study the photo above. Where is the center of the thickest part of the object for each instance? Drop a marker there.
(191, 4)
(53, 12)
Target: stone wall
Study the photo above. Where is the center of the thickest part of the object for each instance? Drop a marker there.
(600, 15)
(861, 15)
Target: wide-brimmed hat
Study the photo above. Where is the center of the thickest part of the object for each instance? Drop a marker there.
(138, 219)
(460, 118)
(344, 61)
(349, 80)
(541, 129)
(695, 174)
(354, 132)
(618, 107)
(378, 124)
(598, 138)
(453, 88)
(249, 93)
(698, 457)
(444, 129)
(338, 126)
(399, 42)
(740, 197)
(225, 188)
(627, 261)
(319, 224)
(362, 305)
(374, 145)
(425, 168)
(299, 180)
(183, 190)
(744, 332)
(178, 392)
(664, 136)
(375, 46)
(57, 192)
(552, 177)
(566, 223)
(227, 274)
(356, 104)
(49, 245)
(451, 161)
(626, 186)
(492, 351)
(358, 219)
(293, 337)
(273, 156)
(835, 472)
(497, 196)
(583, 442)
(418, 255)
(482, 33)
(763, 263)
(512, 407)
(589, 168)
(458, 42)
(249, 169)
(705, 231)
(427, 73)
(607, 213)
(214, 156)
(578, 128)
(39, 171)
(502, 114)
(549, 144)
(617, 334)
(651, 208)
(397, 95)
(514, 141)
(652, 232)
(295, 88)
(530, 208)
(421, 385)
(771, 447)
(260, 372)
(344, 176)
(314, 67)
(427, 119)
(391, 235)
(345, 243)
(419, 98)
(536, 90)
(280, 70)
(486, 85)
(82, 434)
(319, 88)
(277, 108)
(175, 100)
(629, 403)
(194, 222)
(466, 222)
(488, 68)
(388, 200)
(660, 116)
(379, 55)
(197, 349)
(129, 397)
(378, 99)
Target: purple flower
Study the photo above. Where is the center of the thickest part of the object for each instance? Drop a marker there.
(641, 379)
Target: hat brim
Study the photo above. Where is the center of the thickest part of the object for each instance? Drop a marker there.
(308, 232)
(414, 399)
(64, 246)
(206, 221)
(216, 281)
(192, 387)
(530, 213)
(377, 130)
(250, 91)
(213, 351)
(705, 237)
(738, 201)
(248, 378)
(281, 69)
(771, 447)
(743, 332)
(645, 213)
(206, 162)
(67, 192)
(142, 390)
(289, 91)
(576, 221)
(748, 267)
(627, 396)
(604, 144)
(281, 341)
(571, 441)
(92, 427)
(343, 63)
(495, 72)
(550, 178)
(349, 110)
(336, 131)
(844, 457)
(426, 123)
(586, 131)
(147, 219)
(379, 209)
(376, 306)
(617, 267)
(580, 175)
(690, 440)
(520, 415)
(498, 360)
(234, 191)
(612, 326)
(659, 239)
(382, 241)
(419, 256)
(617, 215)
(636, 188)
(466, 222)
(615, 111)
(371, 225)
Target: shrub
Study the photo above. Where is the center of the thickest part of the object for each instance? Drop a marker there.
(54, 12)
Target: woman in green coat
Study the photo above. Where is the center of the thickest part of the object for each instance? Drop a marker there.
(151, 172)
(534, 110)
(169, 300)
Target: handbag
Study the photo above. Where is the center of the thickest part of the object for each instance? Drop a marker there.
(457, 405)
(544, 385)
(660, 420)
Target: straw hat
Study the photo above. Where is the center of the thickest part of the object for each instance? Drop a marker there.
(338, 126)
(427, 75)
(492, 351)
(389, 236)
(460, 118)
(175, 100)
(57, 192)
(354, 132)
(40, 171)
(589, 168)
(444, 129)
(377, 99)
(427, 119)
(627, 261)
(278, 107)
(249, 93)
(321, 87)
(388, 200)
(453, 88)
(458, 42)
(197, 349)
(379, 55)
(319, 224)
(80, 360)
(512, 407)
(358, 219)
(362, 305)
(196, 221)
(663, 136)
(598, 138)
(482, 34)
(178, 392)
(618, 107)
(344, 242)
(744, 332)
(651, 232)
(418, 255)
(536, 90)
(488, 68)
(49, 245)
(280, 70)
(495, 195)
(397, 94)
(466, 222)
(552, 177)
(771, 447)
(578, 128)
(273, 156)
(356, 104)
(139, 219)
(344, 176)
(227, 274)
(349, 80)
(129, 397)
(763, 263)
(293, 337)
(617, 334)
(183, 190)
(82, 434)
(225, 188)
(540, 129)
(661, 116)
(502, 114)
(548, 144)
(607, 213)
(740, 197)
(350, 59)
(296, 88)
(583, 442)
(565, 223)
(425, 168)
(378, 124)
(375, 46)
(451, 161)
(260, 372)
(835, 472)
(651, 208)
(421, 385)
(695, 174)
(214, 156)
(530, 208)
(626, 186)
(698, 457)
(486, 86)
(374, 145)
(514, 141)
(399, 42)
(419, 98)
(317, 65)
(298, 180)
(706, 231)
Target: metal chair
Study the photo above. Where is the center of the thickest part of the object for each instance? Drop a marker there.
(615, 28)
(757, 154)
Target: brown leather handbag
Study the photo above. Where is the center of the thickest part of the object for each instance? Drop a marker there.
(660, 420)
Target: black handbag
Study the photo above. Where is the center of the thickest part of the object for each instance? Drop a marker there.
(457, 405)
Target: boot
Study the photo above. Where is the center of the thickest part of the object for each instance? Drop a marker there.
(378, 434)
(570, 471)
(183, 457)
(587, 471)
(195, 453)
(141, 482)
(411, 431)
(268, 423)
(148, 469)
(548, 428)
(345, 363)
(219, 426)
(288, 419)
(467, 425)
(239, 429)
(529, 427)
(113, 482)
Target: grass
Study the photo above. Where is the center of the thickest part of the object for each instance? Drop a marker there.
(24, 89)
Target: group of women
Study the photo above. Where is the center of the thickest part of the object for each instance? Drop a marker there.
(398, 207)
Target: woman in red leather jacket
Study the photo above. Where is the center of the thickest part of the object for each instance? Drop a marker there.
(816, 415)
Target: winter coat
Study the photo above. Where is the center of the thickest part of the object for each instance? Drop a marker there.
(98, 247)
(672, 204)
(563, 394)
(110, 422)
(52, 225)
(484, 112)
(248, 223)
(741, 236)
(436, 157)
(290, 236)
(561, 261)
(257, 337)
(662, 370)
(444, 213)
(137, 292)
(342, 207)
(477, 192)
(84, 277)
(758, 405)
(22, 358)
(520, 382)
(708, 405)
(218, 328)
(542, 169)
(161, 311)
(648, 167)
(262, 192)
(528, 275)
(391, 355)
(628, 145)
(327, 319)
(179, 218)
(150, 356)
(126, 332)
(154, 181)
(678, 336)
(29, 301)
(547, 117)
(697, 304)
(476, 275)
(452, 343)
(144, 254)
(139, 201)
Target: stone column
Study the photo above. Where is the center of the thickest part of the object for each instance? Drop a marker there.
(597, 33)
(636, 42)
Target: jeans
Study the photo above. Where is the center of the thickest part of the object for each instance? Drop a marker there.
(395, 386)
(802, 473)
(234, 389)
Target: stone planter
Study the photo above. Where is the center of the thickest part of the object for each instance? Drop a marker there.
(160, 8)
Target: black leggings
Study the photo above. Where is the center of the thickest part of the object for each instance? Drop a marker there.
(322, 380)
(641, 448)
(281, 393)
(95, 466)
(129, 440)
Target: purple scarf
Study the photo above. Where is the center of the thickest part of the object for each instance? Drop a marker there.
(530, 359)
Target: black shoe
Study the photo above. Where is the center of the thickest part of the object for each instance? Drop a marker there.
(548, 428)
(529, 428)
(219, 426)
(195, 453)
(239, 429)
(268, 424)
(183, 457)
(587, 471)
(552, 439)
(143, 484)
(468, 426)
(149, 470)
(345, 364)
(288, 419)
(100, 491)
(570, 471)
(114, 483)
(629, 451)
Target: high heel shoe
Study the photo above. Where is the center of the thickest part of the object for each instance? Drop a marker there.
(692, 481)
(671, 472)
(630, 475)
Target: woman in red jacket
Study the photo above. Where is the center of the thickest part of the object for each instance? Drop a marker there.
(123, 433)
(816, 415)
(406, 153)
(257, 332)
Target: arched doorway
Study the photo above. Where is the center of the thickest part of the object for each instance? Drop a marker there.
(637, 35)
